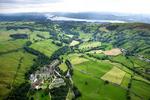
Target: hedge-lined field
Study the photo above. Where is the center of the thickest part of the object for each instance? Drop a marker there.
(46, 47)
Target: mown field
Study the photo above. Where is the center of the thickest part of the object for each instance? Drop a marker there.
(115, 75)
(73, 43)
(88, 45)
(94, 73)
(90, 73)
(46, 47)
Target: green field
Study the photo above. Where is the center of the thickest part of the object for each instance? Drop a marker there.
(38, 35)
(9, 66)
(104, 58)
(63, 67)
(125, 80)
(46, 47)
(115, 75)
(123, 59)
(96, 88)
(90, 73)
(73, 43)
(86, 45)
(11, 45)
(87, 78)
(142, 89)
(77, 59)
(85, 36)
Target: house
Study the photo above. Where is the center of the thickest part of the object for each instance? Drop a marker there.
(36, 85)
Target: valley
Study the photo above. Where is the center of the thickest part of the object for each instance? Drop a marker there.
(59, 60)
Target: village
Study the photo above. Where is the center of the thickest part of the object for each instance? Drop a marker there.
(47, 77)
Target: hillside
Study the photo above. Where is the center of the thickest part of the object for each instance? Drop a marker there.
(59, 60)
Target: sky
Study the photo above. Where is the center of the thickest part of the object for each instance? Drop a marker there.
(120, 6)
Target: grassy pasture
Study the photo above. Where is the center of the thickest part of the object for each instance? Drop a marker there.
(34, 35)
(95, 51)
(89, 66)
(103, 29)
(142, 89)
(8, 65)
(4, 35)
(96, 89)
(69, 35)
(46, 47)
(73, 43)
(125, 80)
(139, 63)
(84, 36)
(63, 67)
(89, 45)
(122, 59)
(77, 59)
(87, 78)
(12, 45)
(112, 52)
(115, 75)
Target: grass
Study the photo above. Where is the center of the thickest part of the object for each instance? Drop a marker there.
(125, 80)
(46, 47)
(11, 45)
(87, 72)
(115, 75)
(8, 64)
(139, 63)
(106, 46)
(73, 43)
(122, 59)
(89, 45)
(34, 37)
(134, 97)
(96, 51)
(63, 67)
(77, 59)
(70, 95)
(112, 52)
(96, 89)
(85, 36)
(87, 78)
(142, 89)
(89, 66)
(69, 35)
(4, 34)
(103, 29)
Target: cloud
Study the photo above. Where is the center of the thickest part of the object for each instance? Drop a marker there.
(121, 6)
(27, 1)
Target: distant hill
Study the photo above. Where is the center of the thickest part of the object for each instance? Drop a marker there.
(106, 16)
(81, 16)
(22, 17)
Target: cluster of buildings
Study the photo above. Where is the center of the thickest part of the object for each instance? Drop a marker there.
(47, 77)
